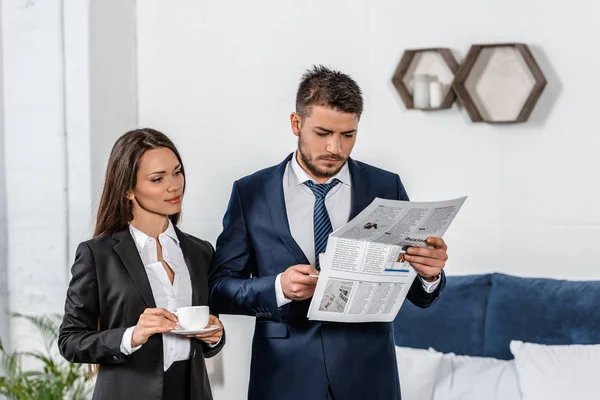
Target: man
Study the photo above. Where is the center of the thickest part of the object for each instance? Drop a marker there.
(277, 221)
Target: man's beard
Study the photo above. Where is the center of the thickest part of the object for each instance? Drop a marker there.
(315, 170)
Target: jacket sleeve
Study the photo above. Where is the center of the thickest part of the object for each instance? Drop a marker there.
(213, 351)
(80, 339)
(234, 286)
(420, 298)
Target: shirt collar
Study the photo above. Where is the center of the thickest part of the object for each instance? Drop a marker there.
(140, 237)
(298, 176)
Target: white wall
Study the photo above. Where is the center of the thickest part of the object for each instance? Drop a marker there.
(77, 110)
(68, 71)
(518, 177)
(34, 138)
(220, 79)
(100, 99)
(4, 323)
(222, 85)
(113, 82)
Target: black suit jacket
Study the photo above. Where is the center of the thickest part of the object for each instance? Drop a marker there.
(110, 288)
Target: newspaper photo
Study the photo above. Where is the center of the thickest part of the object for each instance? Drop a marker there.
(364, 277)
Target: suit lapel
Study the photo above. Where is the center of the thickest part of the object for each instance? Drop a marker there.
(130, 257)
(191, 259)
(273, 184)
(361, 188)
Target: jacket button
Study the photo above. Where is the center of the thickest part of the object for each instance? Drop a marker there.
(115, 358)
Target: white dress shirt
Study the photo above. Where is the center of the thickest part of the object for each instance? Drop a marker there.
(166, 295)
(300, 206)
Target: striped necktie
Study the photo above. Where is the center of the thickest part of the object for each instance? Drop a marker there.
(321, 218)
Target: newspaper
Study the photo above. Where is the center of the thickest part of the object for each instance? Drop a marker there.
(364, 277)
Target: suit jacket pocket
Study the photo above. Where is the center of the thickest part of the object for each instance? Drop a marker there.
(270, 329)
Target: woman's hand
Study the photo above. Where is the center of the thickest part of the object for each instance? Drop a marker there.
(153, 320)
(211, 337)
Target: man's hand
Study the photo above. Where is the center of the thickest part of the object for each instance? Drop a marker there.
(428, 262)
(296, 282)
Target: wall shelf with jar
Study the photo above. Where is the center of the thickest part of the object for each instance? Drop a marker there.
(424, 77)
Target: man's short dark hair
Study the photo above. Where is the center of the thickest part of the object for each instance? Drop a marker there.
(321, 86)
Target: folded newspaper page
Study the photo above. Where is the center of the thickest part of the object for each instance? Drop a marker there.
(364, 277)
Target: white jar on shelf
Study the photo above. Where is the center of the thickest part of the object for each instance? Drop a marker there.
(420, 91)
(436, 90)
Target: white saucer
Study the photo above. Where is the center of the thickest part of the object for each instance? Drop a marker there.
(195, 331)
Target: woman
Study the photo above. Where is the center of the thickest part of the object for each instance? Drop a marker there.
(136, 270)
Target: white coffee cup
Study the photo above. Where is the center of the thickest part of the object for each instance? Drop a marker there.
(192, 318)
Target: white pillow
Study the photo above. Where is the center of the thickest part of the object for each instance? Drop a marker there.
(476, 378)
(417, 369)
(557, 372)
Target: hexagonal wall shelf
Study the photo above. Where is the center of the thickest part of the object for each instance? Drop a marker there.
(499, 83)
(435, 67)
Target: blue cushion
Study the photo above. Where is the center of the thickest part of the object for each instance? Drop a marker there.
(540, 310)
(455, 323)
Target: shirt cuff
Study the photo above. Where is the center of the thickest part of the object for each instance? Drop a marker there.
(281, 299)
(429, 286)
(126, 342)
(211, 345)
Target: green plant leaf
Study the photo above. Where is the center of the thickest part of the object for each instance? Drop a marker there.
(54, 379)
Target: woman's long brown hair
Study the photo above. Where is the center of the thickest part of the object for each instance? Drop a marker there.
(115, 210)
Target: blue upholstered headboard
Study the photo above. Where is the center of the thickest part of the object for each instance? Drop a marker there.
(478, 315)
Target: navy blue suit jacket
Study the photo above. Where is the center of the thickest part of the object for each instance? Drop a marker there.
(292, 357)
